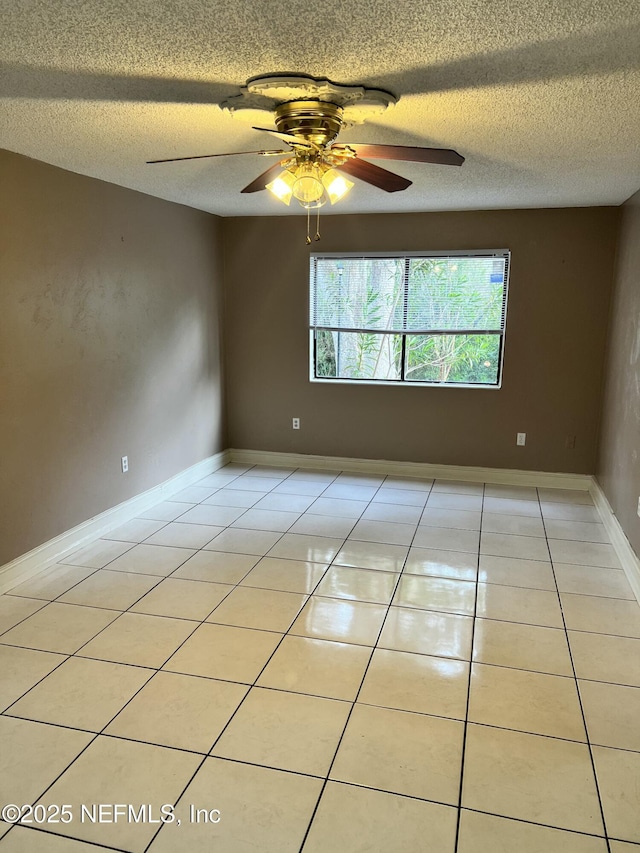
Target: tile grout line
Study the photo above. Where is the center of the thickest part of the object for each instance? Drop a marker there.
(46, 832)
(577, 688)
(51, 600)
(466, 715)
(538, 824)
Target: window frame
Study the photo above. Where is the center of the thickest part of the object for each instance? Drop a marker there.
(404, 383)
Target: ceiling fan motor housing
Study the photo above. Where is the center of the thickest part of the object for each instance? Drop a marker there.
(318, 122)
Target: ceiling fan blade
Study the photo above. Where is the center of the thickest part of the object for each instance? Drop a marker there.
(224, 154)
(442, 156)
(260, 183)
(288, 137)
(371, 174)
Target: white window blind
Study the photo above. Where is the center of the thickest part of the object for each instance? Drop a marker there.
(419, 294)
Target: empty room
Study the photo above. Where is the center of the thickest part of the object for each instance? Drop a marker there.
(320, 427)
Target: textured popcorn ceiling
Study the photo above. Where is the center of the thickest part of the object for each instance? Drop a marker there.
(542, 98)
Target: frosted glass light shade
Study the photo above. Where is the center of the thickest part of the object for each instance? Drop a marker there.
(336, 185)
(308, 186)
(282, 186)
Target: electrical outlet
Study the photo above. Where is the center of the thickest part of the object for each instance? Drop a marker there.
(125, 464)
(295, 423)
(570, 442)
(521, 439)
(638, 507)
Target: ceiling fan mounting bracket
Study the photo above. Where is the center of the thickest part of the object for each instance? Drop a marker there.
(268, 93)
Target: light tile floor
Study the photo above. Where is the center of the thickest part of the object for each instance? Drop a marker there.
(320, 661)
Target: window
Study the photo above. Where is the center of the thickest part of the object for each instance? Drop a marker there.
(429, 319)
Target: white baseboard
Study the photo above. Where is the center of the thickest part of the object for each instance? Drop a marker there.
(626, 554)
(28, 565)
(503, 476)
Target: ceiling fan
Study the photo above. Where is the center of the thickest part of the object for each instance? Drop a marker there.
(314, 170)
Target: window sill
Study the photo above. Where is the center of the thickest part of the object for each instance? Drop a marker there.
(390, 383)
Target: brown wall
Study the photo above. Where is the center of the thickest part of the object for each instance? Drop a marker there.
(561, 273)
(619, 464)
(109, 346)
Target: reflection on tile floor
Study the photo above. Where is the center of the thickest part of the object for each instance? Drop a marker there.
(309, 661)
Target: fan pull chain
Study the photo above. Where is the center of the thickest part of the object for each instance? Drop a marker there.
(317, 237)
(308, 240)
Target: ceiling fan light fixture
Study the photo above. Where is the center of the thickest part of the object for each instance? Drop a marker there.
(309, 114)
(336, 185)
(282, 186)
